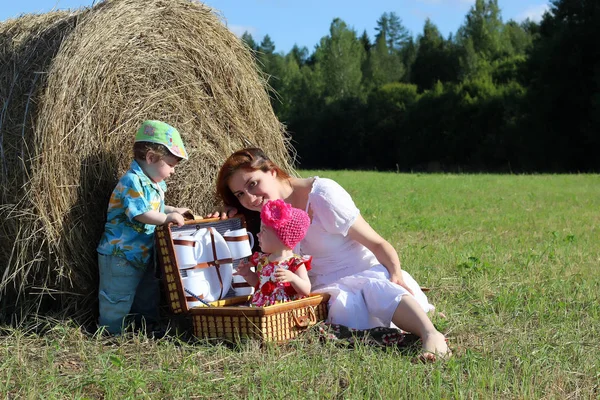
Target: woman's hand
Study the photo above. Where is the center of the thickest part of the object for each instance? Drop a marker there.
(399, 280)
(385, 253)
(228, 212)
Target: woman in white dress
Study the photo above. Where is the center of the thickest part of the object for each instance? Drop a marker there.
(355, 265)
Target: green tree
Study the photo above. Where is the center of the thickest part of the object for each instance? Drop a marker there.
(518, 40)
(365, 41)
(383, 66)
(408, 55)
(483, 26)
(480, 37)
(565, 90)
(270, 62)
(340, 56)
(303, 121)
(249, 40)
(365, 65)
(532, 28)
(273, 67)
(267, 46)
(389, 108)
(435, 60)
(299, 54)
(390, 28)
(385, 57)
(289, 83)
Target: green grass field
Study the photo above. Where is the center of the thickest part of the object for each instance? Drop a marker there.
(513, 262)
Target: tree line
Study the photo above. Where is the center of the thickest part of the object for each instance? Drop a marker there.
(495, 96)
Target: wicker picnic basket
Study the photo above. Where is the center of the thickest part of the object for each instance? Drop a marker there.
(231, 318)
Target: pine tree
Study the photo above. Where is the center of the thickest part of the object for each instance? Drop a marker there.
(249, 40)
(386, 55)
(267, 46)
(394, 33)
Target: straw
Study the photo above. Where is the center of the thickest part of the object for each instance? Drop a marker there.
(74, 88)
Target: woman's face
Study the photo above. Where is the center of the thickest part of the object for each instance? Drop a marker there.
(255, 188)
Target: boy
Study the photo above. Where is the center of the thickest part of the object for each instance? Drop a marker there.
(136, 207)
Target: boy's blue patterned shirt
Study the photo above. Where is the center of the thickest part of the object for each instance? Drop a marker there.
(123, 236)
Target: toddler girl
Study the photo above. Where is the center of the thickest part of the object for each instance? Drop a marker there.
(280, 274)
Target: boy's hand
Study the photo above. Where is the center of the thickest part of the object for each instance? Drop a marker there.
(284, 275)
(175, 218)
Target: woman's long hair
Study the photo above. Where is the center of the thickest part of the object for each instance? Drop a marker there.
(250, 159)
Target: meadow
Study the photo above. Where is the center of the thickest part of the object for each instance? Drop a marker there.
(511, 260)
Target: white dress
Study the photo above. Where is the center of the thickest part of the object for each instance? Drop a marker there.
(362, 295)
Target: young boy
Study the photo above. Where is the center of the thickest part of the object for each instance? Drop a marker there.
(136, 206)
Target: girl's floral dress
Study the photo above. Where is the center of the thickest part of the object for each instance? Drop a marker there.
(268, 290)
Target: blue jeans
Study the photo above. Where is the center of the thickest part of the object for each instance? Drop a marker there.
(126, 290)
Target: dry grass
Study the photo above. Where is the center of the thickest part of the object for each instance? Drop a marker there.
(75, 86)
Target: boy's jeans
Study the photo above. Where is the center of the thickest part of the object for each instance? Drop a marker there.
(125, 289)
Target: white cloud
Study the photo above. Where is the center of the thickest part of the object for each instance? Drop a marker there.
(534, 13)
(239, 30)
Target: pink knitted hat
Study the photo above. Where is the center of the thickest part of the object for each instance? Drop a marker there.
(289, 223)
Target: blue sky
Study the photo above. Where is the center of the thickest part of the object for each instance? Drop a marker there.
(304, 22)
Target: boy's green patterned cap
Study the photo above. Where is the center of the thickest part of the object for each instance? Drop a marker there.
(162, 133)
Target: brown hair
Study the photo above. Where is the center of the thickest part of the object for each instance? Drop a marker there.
(250, 159)
(141, 148)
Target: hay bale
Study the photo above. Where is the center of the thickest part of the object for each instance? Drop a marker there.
(66, 138)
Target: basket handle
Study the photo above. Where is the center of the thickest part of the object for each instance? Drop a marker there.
(304, 321)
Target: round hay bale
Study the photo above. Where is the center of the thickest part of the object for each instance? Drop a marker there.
(67, 137)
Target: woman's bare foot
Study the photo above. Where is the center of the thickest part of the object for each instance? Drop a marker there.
(434, 347)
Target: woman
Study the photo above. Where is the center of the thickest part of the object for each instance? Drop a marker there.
(355, 265)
